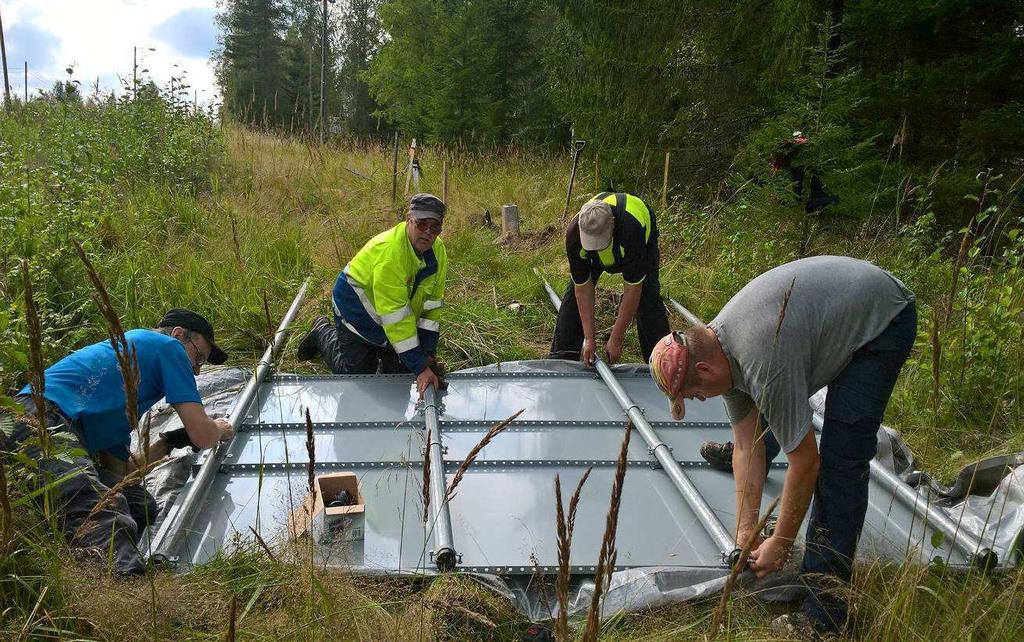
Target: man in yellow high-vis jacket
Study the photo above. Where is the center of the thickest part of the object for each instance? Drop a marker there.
(387, 301)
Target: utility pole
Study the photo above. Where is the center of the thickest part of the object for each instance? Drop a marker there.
(135, 73)
(3, 54)
(323, 77)
(26, 82)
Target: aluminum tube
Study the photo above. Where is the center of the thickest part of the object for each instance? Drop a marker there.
(181, 514)
(690, 317)
(725, 542)
(555, 299)
(659, 449)
(444, 547)
(960, 537)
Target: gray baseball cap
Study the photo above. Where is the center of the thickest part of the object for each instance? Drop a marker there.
(596, 225)
(426, 206)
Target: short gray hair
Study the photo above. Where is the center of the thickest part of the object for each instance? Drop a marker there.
(701, 346)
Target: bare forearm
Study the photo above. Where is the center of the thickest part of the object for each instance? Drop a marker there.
(796, 497)
(801, 478)
(585, 303)
(627, 309)
(748, 469)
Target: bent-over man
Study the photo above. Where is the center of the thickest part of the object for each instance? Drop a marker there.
(848, 325)
(614, 233)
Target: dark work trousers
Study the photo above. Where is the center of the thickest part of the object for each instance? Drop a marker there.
(345, 352)
(111, 534)
(854, 407)
(651, 319)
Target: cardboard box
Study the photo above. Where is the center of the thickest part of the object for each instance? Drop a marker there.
(330, 524)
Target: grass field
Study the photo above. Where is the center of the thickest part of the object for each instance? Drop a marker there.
(249, 215)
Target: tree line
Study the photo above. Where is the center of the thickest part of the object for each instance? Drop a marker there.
(879, 88)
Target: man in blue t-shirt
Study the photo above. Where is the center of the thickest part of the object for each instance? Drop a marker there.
(85, 410)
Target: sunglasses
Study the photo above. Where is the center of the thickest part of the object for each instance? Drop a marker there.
(424, 224)
(200, 356)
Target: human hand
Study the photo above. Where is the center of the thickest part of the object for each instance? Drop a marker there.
(770, 556)
(426, 378)
(589, 352)
(225, 429)
(613, 349)
(744, 535)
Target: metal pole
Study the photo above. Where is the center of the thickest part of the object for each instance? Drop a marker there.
(725, 542)
(3, 51)
(182, 513)
(444, 555)
(690, 317)
(323, 78)
(577, 147)
(958, 534)
(135, 73)
(394, 169)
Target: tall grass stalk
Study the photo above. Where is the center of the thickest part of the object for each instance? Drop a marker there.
(37, 367)
(741, 563)
(495, 430)
(426, 477)
(564, 530)
(7, 529)
(606, 558)
(311, 461)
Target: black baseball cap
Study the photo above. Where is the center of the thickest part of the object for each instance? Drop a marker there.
(180, 317)
(426, 206)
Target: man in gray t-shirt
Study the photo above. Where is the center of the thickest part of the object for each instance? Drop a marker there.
(821, 321)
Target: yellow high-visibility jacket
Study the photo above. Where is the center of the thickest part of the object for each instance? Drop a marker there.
(389, 294)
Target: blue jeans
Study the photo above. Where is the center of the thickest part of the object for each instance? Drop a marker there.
(854, 407)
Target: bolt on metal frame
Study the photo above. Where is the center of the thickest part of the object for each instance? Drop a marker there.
(705, 515)
(181, 514)
(964, 541)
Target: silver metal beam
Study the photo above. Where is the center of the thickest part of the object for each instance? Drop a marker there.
(964, 541)
(690, 317)
(181, 514)
(725, 542)
(444, 554)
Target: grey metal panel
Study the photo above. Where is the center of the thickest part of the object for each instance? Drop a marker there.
(285, 400)
(393, 527)
(503, 517)
(645, 394)
(334, 444)
(572, 398)
(546, 442)
(504, 507)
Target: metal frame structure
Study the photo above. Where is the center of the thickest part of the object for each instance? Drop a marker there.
(444, 554)
(964, 541)
(182, 513)
(674, 517)
(658, 448)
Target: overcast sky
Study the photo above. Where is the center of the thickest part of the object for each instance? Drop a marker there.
(96, 37)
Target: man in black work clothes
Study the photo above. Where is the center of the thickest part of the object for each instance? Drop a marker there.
(614, 233)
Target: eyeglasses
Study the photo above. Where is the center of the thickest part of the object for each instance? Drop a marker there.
(424, 224)
(200, 357)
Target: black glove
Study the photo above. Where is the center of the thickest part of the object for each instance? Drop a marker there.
(178, 438)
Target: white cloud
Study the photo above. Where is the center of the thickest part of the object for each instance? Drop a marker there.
(97, 36)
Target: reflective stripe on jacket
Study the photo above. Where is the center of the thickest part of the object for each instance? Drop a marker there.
(389, 294)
